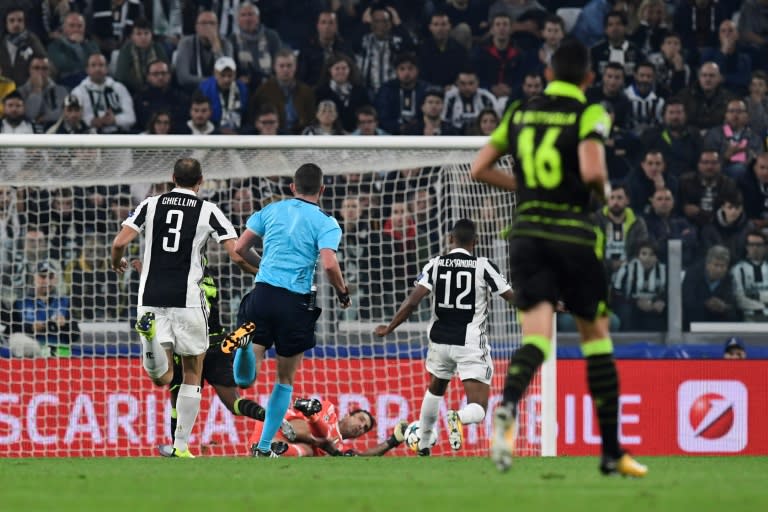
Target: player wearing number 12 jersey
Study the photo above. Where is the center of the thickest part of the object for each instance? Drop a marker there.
(172, 309)
(458, 341)
(555, 247)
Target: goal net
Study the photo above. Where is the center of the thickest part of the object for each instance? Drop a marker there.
(68, 354)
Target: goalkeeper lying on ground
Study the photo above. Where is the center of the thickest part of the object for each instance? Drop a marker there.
(319, 431)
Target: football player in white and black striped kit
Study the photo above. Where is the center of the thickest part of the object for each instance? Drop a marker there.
(172, 309)
(458, 339)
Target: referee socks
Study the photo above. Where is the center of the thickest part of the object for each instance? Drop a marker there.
(244, 367)
(277, 406)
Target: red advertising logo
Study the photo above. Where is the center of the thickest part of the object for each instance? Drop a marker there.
(712, 416)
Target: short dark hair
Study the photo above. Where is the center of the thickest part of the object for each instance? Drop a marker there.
(406, 57)
(367, 110)
(367, 413)
(266, 109)
(647, 244)
(142, 23)
(733, 197)
(433, 91)
(570, 62)
(645, 64)
(616, 66)
(674, 100)
(308, 179)
(187, 172)
(15, 95)
(757, 232)
(615, 14)
(198, 98)
(464, 232)
(554, 18)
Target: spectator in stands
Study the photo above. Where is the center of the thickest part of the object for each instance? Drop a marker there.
(135, 56)
(7, 86)
(159, 95)
(241, 206)
(294, 100)
(589, 27)
(63, 225)
(159, 124)
(706, 100)
(754, 188)
(322, 47)
(71, 120)
(94, 290)
(552, 35)
(340, 83)
(12, 224)
(44, 98)
(398, 101)
(753, 27)
(228, 96)
(643, 182)
(69, 53)
(622, 148)
(368, 122)
(616, 47)
(734, 348)
(200, 112)
(469, 20)
(440, 55)
(430, 121)
(757, 105)
(701, 192)
(254, 46)
(107, 104)
(611, 90)
(379, 48)
(680, 144)
(647, 106)
(465, 102)
(729, 227)
(649, 35)
(487, 121)
(17, 45)
(42, 324)
(500, 65)
(622, 228)
(750, 277)
(708, 290)
(533, 85)
(734, 140)
(735, 65)
(53, 13)
(326, 120)
(111, 21)
(672, 73)
(267, 121)
(166, 18)
(14, 118)
(398, 253)
(355, 258)
(697, 23)
(640, 291)
(664, 224)
(198, 53)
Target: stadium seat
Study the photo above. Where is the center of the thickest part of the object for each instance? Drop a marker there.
(569, 15)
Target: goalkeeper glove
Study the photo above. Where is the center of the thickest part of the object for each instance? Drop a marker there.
(398, 434)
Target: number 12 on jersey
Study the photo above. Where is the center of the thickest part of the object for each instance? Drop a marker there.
(454, 292)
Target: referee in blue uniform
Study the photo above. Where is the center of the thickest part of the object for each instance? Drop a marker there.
(281, 305)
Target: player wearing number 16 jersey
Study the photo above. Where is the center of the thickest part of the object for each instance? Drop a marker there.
(458, 341)
(172, 308)
(555, 248)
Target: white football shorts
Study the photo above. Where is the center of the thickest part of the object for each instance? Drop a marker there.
(443, 361)
(184, 328)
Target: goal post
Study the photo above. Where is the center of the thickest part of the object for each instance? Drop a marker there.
(63, 197)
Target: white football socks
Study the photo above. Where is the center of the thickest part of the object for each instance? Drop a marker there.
(430, 408)
(471, 413)
(187, 406)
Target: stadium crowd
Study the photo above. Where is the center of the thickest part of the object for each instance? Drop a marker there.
(685, 81)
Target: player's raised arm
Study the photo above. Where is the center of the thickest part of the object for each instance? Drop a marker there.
(406, 308)
(484, 165)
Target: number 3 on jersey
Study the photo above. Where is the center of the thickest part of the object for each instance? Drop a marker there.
(173, 221)
(540, 163)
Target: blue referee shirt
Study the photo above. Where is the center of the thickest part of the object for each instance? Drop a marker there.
(293, 231)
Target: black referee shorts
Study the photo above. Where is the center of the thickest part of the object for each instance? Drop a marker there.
(544, 270)
(281, 317)
(217, 369)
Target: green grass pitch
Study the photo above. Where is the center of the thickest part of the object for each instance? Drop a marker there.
(391, 484)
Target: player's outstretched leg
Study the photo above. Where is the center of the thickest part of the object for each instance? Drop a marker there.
(244, 367)
(603, 381)
(523, 365)
(154, 358)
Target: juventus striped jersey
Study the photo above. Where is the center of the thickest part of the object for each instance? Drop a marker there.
(459, 283)
(176, 227)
